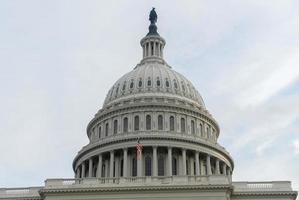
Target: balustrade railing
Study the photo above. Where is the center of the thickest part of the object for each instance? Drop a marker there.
(213, 179)
(262, 186)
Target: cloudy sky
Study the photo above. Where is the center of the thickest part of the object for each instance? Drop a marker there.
(59, 58)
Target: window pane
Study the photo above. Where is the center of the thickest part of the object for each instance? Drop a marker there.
(160, 122)
(125, 125)
(183, 125)
(148, 122)
(171, 123)
(136, 123)
(115, 125)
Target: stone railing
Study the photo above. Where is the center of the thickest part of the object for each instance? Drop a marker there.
(19, 192)
(262, 186)
(150, 180)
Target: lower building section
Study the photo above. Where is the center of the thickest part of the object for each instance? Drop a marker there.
(213, 187)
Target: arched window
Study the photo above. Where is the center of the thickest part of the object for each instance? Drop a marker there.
(125, 125)
(167, 83)
(132, 84)
(100, 131)
(161, 166)
(174, 166)
(149, 82)
(175, 84)
(183, 125)
(106, 129)
(160, 122)
(140, 83)
(158, 82)
(115, 126)
(192, 127)
(134, 167)
(171, 123)
(148, 166)
(148, 122)
(136, 123)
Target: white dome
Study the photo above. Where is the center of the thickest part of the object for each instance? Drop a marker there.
(153, 79)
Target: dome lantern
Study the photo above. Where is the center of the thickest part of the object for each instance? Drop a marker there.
(152, 44)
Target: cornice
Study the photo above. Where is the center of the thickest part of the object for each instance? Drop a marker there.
(135, 188)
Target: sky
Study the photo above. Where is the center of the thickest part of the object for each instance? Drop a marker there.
(59, 58)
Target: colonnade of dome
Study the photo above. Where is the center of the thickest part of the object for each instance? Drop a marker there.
(154, 161)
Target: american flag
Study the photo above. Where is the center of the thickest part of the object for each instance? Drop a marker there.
(138, 149)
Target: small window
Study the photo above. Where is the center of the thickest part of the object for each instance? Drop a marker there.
(149, 82)
(124, 86)
(148, 122)
(131, 84)
(106, 129)
(115, 126)
(167, 83)
(100, 131)
(158, 82)
(136, 123)
(175, 84)
(171, 123)
(125, 125)
(140, 83)
(192, 127)
(160, 122)
(183, 125)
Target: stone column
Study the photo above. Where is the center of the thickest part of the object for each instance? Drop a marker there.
(197, 163)
(83, 170)
(169, 161)
(208, 162)
(117, 166)
(99, 169)
(217, 166)
(90, 168)
(111, 163)
(78, 173)
(125, 166)
(184, 162)
(155, 162)
(139, 165)
(224, 168)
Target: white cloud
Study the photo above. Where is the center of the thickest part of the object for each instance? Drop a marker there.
(296, 146)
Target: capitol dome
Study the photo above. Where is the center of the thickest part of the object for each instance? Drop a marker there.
(153, 79)
(153, 123)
